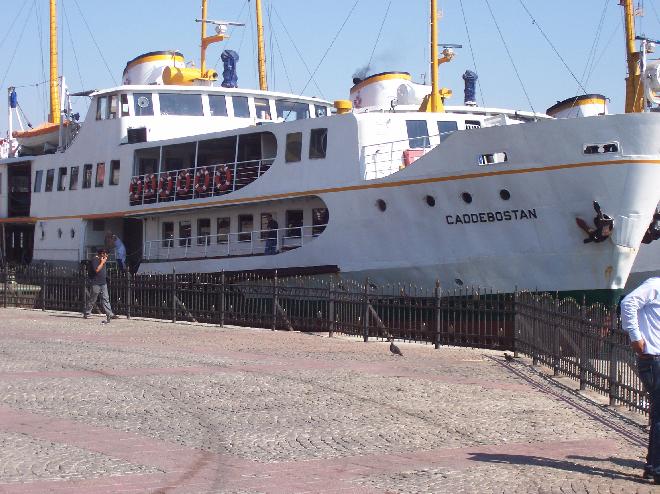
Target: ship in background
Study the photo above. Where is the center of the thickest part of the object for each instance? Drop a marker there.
(393, 184)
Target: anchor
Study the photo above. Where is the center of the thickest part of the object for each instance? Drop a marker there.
(653, 232)
(603, 226)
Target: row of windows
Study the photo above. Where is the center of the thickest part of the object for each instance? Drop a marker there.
(244, 228)
(219, 105)
(87, 176)
(418, 131)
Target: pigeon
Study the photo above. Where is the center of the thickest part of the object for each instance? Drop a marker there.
(395, 349)
(508, 357)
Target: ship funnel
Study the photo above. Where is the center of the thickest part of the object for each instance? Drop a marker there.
(586, 105)
(470, 79)
(149, 67)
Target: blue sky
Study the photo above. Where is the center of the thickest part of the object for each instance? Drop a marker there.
(130, 28)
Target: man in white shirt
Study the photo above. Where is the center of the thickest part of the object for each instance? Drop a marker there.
(640, 316)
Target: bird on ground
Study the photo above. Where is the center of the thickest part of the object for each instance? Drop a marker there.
(508, 357)
(395, 349)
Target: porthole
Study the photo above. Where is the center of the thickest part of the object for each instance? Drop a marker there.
(467, 197)
(505, 194)
(430, 200)
(382, 205)
(59, 233)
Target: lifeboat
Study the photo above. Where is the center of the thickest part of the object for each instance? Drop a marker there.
(40, 138)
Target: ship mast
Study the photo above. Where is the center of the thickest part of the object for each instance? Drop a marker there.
(54, 86)
(634, 89)
(263, 84)
(435, 94)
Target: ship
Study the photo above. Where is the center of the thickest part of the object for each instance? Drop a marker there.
(391, 184)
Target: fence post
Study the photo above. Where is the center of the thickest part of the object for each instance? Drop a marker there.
(222, 299)
(614, 362)
(274, 302)
(583, 348)
(365, 328)
(173, 294)
(516, 326)
(555, 335)
(331, 310)
(5, 271)
(437, 314)
(43, 286)
(129, 295)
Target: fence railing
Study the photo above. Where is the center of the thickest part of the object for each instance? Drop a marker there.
(575, 340)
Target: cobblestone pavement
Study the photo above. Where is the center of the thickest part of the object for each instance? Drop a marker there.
(148, 406)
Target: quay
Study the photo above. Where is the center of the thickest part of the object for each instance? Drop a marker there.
(142, 405)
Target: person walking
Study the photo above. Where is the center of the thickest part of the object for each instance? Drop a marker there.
(640, 316)
(99, 283)
(120, 252)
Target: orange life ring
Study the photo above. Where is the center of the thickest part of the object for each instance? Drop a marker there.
(149, 185)
(202, 186)
(222, 178)
(165, 184)
(135, 189)
(180, 187)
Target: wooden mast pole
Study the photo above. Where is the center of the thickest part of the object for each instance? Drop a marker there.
(435, 91)
(634, 89)
(54, 83)
(263, 83)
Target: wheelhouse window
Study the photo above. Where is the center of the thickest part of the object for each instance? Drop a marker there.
(100, 174)
(114, 172)
(417, 133)
(181, 104)
(38, 176)
(87, 176)
(167, 234)
(293, 147)
(143, 105)
(124, 105)
(204, 231)
(185, 233)
(245, 225)
(291, 110)
(294, 223)
(321, 111)
(241, 107)
(102, 108)
(73, 179)
(50, 177)
(218, 105)
(61, 178)
(320, 218)
(262, 108)
(446, 128)
(223, 225)
(113, 106)
(318, 143)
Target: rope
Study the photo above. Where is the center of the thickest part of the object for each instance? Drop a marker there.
(43, 94)
(552, 46)
(605, 48)
(474, 59)
(341, 28)
(592, 52)
(12, 24)
(95, 43)
(18, 42)
(279, 50)
(73, 45)
(231, 33)
(506, 47)
(380, 31)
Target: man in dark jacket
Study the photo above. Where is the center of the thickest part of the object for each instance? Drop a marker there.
(271, 237)
(99, 283)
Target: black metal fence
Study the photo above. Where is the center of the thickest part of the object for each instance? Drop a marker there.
(583, 342)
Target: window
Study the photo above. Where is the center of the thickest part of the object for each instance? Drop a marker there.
(61, 178)
(143, 105)
(102, 108)
(50, 176)
(245, 223)
(167, 234)
(241, 107)
(291, 110)
(73, 179)
(265, 218)
(98, 225)
(124, 105)
(492, 158)
(185, 232)
(178, 156)
(472, 124)
(87, 176)
(294, 223)
(181, 104)
(417, 133)
(112, 106)
(114, 172)
(320, 218)
(203, 231)
(146, 161)
(37, 180)
(321, 111)
(223, 225)
(262, 107)
(216, 151)
(100, 174)
(318, 143)
(218, 105)
(293, 147)
(446, 128)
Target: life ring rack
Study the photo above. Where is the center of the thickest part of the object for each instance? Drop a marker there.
(202, 181)
(165, 185)
(183, 182)
(135, 189)
(223, 178)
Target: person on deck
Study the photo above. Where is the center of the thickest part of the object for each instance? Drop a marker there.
(120, 252)
(271, 237)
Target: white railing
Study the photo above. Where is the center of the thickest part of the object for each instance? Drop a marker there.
(230, 244)
(195, 182)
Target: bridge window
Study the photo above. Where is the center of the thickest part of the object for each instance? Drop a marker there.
(73, 180)
(417, 133)
(112, 106)
(245, 225)
(61, 178)
(318, 143)
(50, 177)
(241, 107)
(321, 111)
(124, 105)
(445, 128)
(143, 105)
(293, 147)
(38, 176)
(100, 174)
(223, 225)
(291, 110)
(102, 108)
(87, 176)
(262, 107)
(181, 104)
(218, 105)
